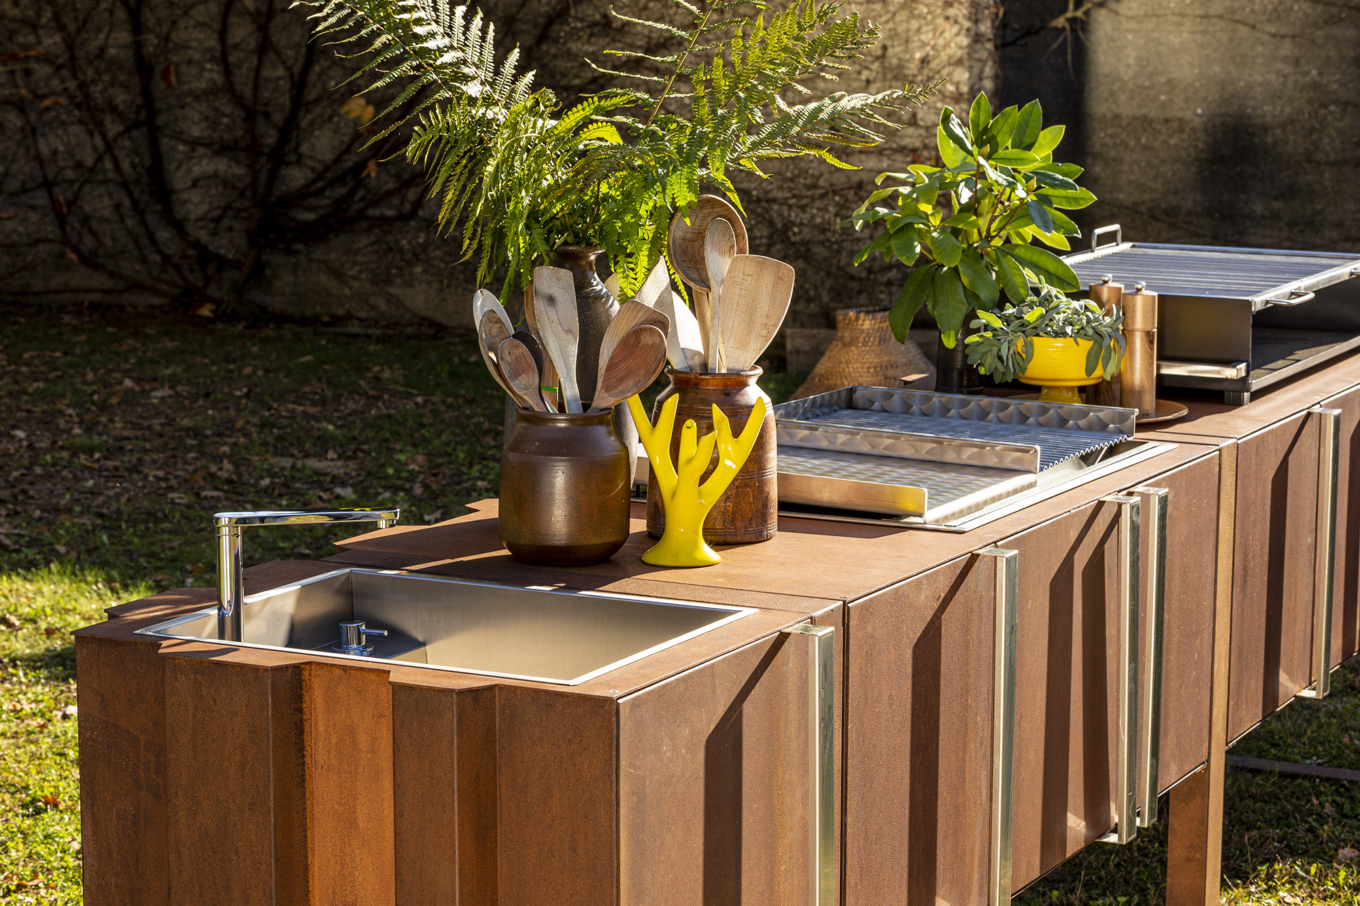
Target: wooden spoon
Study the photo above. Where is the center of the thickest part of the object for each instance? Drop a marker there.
(546, 369)
(637, 360)
(559, 328)
(756, 294)
(631, 314)
(686, 240)
(521, 371)
(656, 284)
(684, 343)
(490, 333)
(720, 245)
(483, 302)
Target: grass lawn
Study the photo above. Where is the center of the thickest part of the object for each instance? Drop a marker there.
(121, 433)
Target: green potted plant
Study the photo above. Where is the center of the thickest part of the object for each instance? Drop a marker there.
(969, 224)
(1052, 341)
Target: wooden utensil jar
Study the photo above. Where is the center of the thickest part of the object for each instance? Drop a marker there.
(565, 483)
(747, 511)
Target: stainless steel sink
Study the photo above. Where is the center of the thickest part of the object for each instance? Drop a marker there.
(538, 634)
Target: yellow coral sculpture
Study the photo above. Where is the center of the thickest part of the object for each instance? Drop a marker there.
(687, 501)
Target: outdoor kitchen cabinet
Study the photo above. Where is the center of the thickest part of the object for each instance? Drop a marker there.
(920, 706)
(1346, 566)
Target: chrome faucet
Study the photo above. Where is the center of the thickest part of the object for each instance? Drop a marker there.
(229, 527)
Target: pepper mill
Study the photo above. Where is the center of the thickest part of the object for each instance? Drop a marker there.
(1110, 297)
(1138, 378)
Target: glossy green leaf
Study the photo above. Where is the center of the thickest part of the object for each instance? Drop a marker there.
(1071, 171)
(1047, 180)
(880, 243)
(1015, 158)
(1048, 267)
(945, 248)
(915, 293)
(948, 305)
(1039, 215)
(1068, 201)
(905, 248)
(979, 116)
(950, 153)
(964, 220)
(1028, 125)
(1063, 224)
(978, 278)
(1048, 140)
(954, 130)
(1002, 128)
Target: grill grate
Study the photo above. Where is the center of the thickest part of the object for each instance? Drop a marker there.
(1221, 273)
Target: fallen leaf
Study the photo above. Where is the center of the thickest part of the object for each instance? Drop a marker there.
(202, 309)
(51, 801)
(371, 168)
(354, 107)
(55, 100)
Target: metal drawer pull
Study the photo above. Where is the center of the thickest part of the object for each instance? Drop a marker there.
(1156, 630)
(1232, 371)
(1126, 757)
(1003, 723)
(821, 645)
(1324, 572)
(1110, 228)
(1296, 297)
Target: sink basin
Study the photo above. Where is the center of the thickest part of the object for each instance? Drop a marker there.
(540, 634)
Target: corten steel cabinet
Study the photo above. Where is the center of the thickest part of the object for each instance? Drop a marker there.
(923, 716)
(257, 776)
(1283, 563)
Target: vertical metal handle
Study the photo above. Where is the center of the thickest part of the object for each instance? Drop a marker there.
(1126, 755)
(1324, 571)
(1003, 722)
(1108, 228)
(1156, 633)
(821, 645)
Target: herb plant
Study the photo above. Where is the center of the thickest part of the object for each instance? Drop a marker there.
(1004, 346)
(520, 174)
(970, 222)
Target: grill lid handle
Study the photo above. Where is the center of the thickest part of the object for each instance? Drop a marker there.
(1108, 228)
(1295, 298)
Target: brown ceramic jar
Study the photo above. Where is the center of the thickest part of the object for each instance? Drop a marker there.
(565, 482)
(747, 511)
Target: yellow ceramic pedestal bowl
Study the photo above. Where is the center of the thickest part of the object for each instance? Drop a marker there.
(1059, 367)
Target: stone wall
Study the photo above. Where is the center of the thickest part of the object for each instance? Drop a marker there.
(1224, 122)
(163, 155)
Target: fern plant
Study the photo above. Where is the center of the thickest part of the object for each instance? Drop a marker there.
(520, 175)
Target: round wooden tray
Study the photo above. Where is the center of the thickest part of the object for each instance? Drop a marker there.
(1166, 411)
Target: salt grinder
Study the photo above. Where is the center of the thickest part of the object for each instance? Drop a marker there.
(1109, 296)
(1138, 378)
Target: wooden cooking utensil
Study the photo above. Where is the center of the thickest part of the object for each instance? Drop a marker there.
(631, 314)
(684, 343)
(544, 365)
(490, 334)
(755, 299)
(521, 372)
(636, 362)
(546, 369)
(656, 284)
(485, 301)
(720, 245)
(686, 240)
(559, 328)
(703, 313)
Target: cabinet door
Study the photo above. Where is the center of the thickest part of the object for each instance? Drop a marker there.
(727, 781)
(1274, 569)
(1068, 762)
(924, 753)
(1346, 583)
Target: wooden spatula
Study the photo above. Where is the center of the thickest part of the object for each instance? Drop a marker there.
(756, 294)
(521, 372)
(636, 362)
(720, 245)
(656, 285)
(684, 343)
(559, 328)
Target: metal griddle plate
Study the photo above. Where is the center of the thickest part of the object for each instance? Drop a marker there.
(936, 456)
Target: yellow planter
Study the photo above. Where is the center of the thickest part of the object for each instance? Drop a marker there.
(1059, 367)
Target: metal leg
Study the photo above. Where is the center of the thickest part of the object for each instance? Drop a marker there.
(1126, 780)
(821, 642)
(1160, 499)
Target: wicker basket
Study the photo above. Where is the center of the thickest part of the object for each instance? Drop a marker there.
(864, 352)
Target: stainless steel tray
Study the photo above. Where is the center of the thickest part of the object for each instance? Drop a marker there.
(941, 461)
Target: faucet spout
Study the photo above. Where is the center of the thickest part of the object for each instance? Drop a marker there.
(229, 525)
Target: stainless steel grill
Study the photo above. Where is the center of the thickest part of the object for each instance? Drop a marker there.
(1236, 319)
